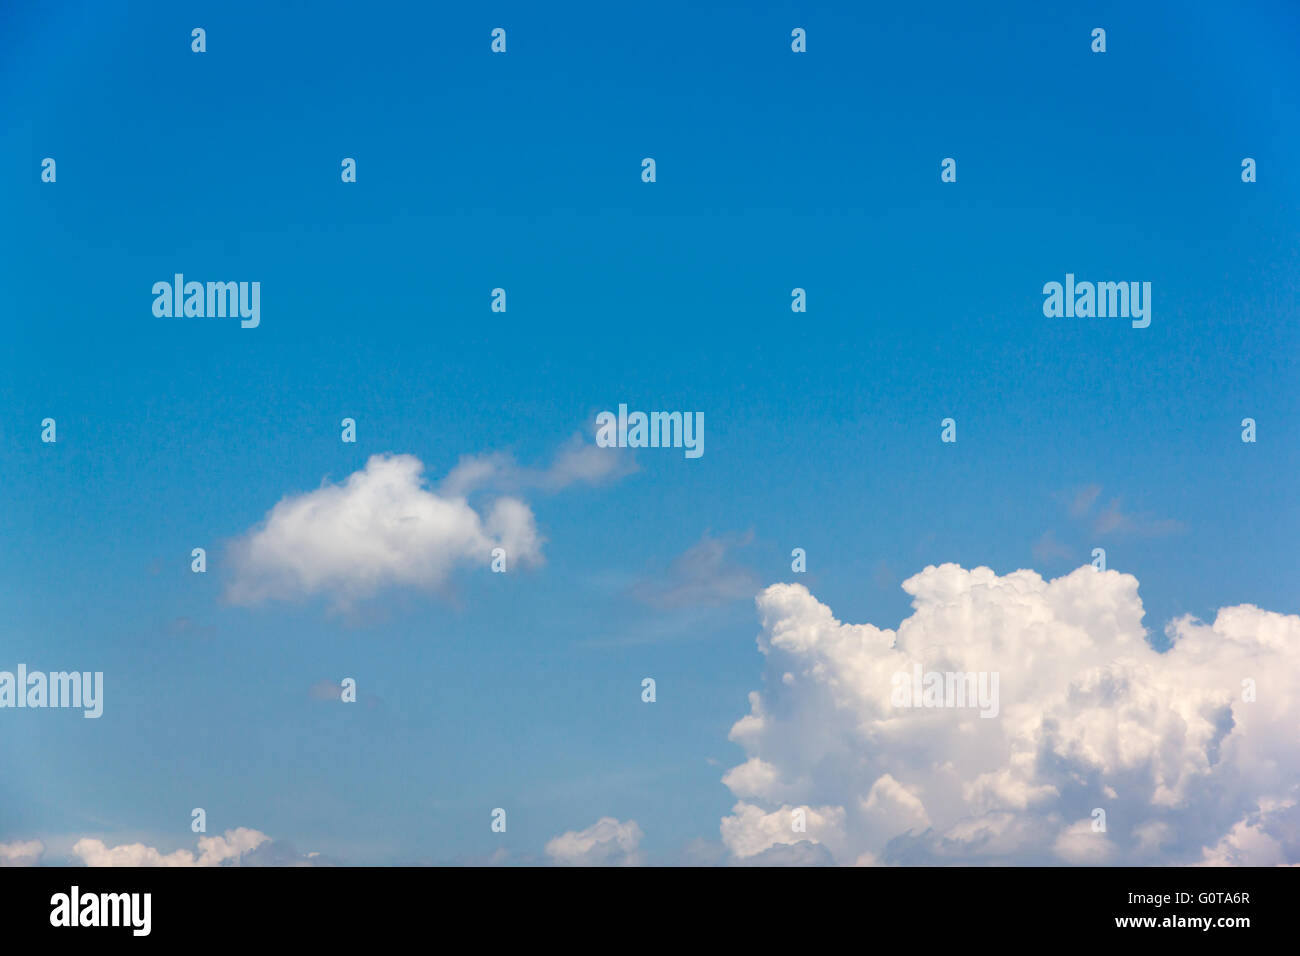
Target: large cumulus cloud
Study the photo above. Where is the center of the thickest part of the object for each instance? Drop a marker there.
(1184, 766)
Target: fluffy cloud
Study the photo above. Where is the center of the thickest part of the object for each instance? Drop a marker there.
(382, 526)
(1186, 768)
(1265, 838)
(607, 842)
(749, 831)
(22, 853)
(213, 851)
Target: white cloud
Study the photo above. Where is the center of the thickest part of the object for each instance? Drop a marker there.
(1261, 838)
(213, 851)
(750, 831)
(1090, 717)
(1082, 844)
(607, 842)
(22, 853)
(1245, 845)
(380, 527)
(802, 854)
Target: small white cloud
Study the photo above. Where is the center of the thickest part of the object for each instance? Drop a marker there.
(1081, 844)
(22, 853)
(607, 842)
(380, 527)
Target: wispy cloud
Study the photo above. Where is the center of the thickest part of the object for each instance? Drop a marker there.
(1048, 549)
(703, 576)
(578, 462)
(1083, 499)
(1113, 519)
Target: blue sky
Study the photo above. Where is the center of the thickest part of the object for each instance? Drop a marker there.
(775, 170)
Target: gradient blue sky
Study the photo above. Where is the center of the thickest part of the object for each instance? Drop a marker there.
(822, 430)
